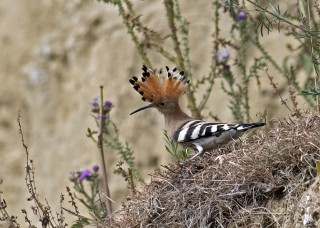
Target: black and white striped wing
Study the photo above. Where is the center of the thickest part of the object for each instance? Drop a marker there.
(197, 129)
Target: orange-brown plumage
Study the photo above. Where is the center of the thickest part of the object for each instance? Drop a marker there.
(154, 87)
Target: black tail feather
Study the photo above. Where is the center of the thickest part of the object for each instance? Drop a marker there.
(244, 127)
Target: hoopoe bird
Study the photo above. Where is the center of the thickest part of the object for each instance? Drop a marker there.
(162, 91)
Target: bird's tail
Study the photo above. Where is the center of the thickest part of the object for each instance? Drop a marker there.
(245, 127)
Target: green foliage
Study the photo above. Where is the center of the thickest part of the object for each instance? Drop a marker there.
(301, 25)
(311, 91)
(305, 28)
(113, 142)
(80, 223)
(173, 148)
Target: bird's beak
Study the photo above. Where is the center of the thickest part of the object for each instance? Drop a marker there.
(143, 108)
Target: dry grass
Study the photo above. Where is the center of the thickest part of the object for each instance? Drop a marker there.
(255, 182)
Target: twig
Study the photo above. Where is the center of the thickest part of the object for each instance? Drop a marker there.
(80, 216)
(277, 91)
(30, 179)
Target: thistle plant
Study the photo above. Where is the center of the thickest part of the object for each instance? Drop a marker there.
(86, 184)
(110, 131)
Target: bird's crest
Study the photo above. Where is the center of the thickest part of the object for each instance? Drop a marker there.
(154, 87)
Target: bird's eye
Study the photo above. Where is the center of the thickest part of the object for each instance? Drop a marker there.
(161, 104)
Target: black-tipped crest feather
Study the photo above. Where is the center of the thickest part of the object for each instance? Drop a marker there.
(154, 86)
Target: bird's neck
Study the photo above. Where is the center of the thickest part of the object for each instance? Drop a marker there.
(174, 119)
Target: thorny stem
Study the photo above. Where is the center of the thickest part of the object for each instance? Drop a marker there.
(5, 214)
(100, 146)
(183, 31)
(170, 15)
(3, 206)
(179, 59)
(316, 66)
(29, 178)
(213, 65)
(276, 90)
(135, 40)
(242, 53)
(279, 17)
(129, 6)
(81, 216)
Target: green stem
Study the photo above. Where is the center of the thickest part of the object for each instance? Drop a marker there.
(179, 59)
(280, 18)
(135, 40)
(100, 146)
(212, 74)
(170, 15)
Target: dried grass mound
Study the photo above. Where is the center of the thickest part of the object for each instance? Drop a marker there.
(257, 182)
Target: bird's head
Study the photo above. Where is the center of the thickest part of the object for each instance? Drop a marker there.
(161, 90)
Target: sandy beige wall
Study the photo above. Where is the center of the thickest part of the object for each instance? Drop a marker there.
(54, 56)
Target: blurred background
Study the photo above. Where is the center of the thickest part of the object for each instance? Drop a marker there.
(55, 55)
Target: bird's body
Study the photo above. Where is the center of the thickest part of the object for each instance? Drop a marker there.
(203, 136)
(163, 93)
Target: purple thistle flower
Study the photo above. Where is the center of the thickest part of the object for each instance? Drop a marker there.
(95, 105)
(241, 16)
(107, 105)
(223, 56)
(95, 168)
(85, 174)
